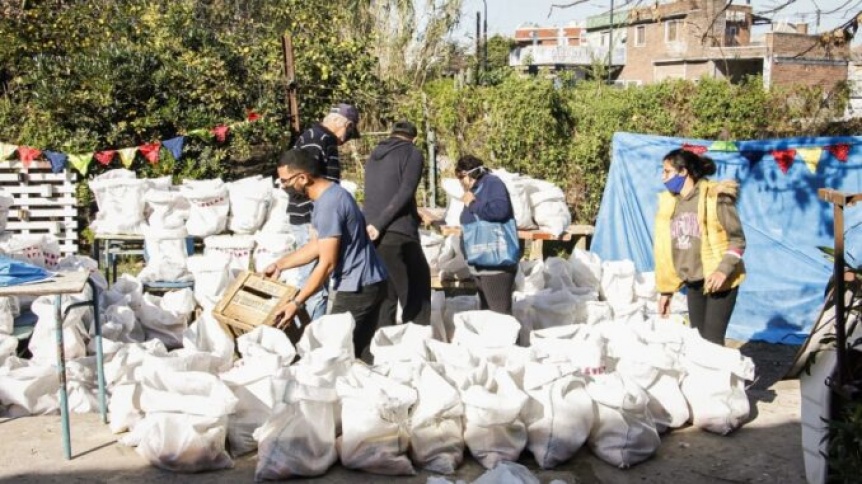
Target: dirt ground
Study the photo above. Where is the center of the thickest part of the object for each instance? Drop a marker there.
(767, 449)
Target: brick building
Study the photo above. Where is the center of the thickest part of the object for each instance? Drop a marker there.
(688, 39)
(566, 48)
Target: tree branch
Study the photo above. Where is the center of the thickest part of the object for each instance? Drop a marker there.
(563, 6)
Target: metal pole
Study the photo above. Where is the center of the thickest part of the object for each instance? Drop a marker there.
(611, 43)
(61, 375)
(290, 84)
(485, 38)
(840, 335)
(432, 166)
(478, 45)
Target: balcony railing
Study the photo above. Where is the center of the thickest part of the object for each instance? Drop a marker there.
(564, 55)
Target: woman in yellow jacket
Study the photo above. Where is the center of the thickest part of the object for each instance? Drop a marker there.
(699, 243)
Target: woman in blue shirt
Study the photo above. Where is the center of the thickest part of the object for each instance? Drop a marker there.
(486, 198)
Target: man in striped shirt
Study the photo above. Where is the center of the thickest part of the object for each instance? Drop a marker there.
(322, 139)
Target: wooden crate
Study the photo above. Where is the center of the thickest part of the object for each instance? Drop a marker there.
(252, 301)
(45, 202)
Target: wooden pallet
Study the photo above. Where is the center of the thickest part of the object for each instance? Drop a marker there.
(252, 301)
(44, 204)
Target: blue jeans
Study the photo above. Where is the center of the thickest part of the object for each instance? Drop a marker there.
(316, 304)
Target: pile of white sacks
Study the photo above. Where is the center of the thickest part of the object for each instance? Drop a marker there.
(253, 210)
(536, 203)
(582, 363)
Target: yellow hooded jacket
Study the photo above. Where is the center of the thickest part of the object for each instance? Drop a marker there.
(714, 240)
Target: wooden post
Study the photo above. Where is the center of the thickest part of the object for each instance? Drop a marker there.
(290, 85)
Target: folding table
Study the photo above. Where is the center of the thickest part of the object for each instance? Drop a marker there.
(61, 284)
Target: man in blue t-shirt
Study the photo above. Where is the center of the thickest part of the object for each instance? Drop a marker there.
(340, 245)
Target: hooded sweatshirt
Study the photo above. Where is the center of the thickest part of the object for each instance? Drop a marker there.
(392, 175)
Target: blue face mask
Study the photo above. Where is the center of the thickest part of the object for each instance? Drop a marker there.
(675, 184)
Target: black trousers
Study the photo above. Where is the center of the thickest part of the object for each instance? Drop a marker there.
(710, 313)
(495, 290)
(409, 280)
(364, 305)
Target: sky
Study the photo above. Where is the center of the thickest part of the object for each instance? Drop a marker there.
(504, 16)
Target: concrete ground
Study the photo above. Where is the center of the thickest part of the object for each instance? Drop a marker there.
(767, 449)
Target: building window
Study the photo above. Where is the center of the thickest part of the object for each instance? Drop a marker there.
(640, 36)
(730, 35)
(672, 31)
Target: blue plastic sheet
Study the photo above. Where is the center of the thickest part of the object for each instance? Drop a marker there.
(14, 272)
(784, 221)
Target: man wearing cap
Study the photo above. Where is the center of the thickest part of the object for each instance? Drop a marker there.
(322, 139)
(392, 175)
(340, 245)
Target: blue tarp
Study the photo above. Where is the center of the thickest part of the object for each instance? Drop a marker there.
(784, 221)
(14, 272)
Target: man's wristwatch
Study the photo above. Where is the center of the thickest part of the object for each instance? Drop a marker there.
(299, 305)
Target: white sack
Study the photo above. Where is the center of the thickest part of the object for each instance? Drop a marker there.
(160, 323)
(168, 209)
(454, 207)
(530, 278)
(400, 343)
(493, 429)
(186, 392)
(120, 199)
(6, 201)
(167, 256)
(299, 440)
(259, 394)
(558, 415)
(486, 334)
(436, 428)
(237, 248)
(124, 407)
(123, 365)
(277, 221)
(81, 386)
(550, 211)
(126, 290)
(618, 282)
(508, 473)
(374, 435)
(43, 345)
(586, 268)
(183, 443)
(29, 388)
(266, 346)
(207, 336)
(455, 305)
(572, 346)
(519, 189)
(26, 248)
(211, 276)
(715, 385)
(624, 433)
(438, 304)
(432, 244)
(249, 204)
(451, 262)
(9, 310)
(557, 275)
(209, 205)
(270, 247)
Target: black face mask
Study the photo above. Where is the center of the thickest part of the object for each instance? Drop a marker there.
(294, 193)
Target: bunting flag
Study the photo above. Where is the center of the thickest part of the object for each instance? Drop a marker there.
(6, 150)
(150, 151)
(753, 156)
(175, 146)
(81, 162)
(220, 132)
(28, 154)
(696, 149)
(840, 151)
(252, 116)
(57, 160)
(723, 146)
(105, 157)
(784, 158)
(811, 157)
(127, 156)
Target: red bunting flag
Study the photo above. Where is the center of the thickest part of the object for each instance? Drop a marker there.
(220, 132)
(105, 157)
(840, 151)
(784, 158)
(28, 154)
(696, 149)
(252, 116)
(150, 151)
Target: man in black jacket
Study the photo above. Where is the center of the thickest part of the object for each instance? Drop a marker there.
(392, 175)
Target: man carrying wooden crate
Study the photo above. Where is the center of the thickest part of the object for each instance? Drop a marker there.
(340, 245)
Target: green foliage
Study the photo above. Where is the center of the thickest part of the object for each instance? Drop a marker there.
(561, 131)
(845, 445)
